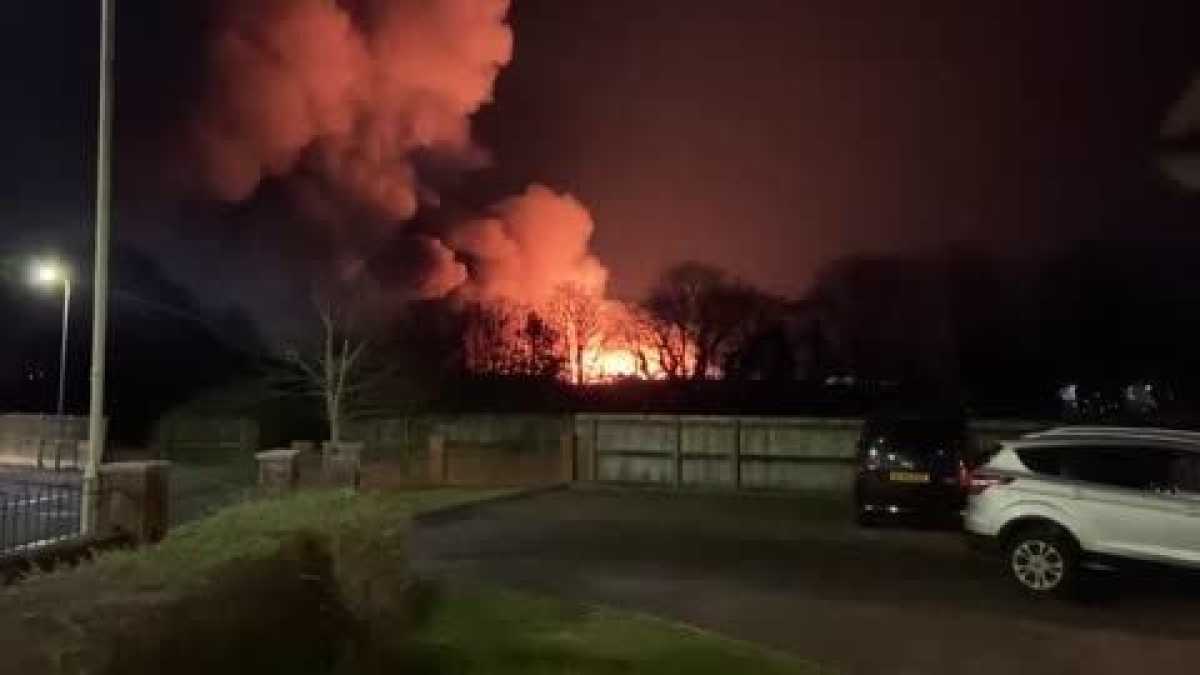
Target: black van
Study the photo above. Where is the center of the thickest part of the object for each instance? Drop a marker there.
(911, 467)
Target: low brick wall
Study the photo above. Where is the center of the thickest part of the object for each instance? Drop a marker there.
(446, 464)
(472, 466)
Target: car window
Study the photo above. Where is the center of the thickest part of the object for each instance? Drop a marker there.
(1133, 468)
(1046, 461)
(915, 447)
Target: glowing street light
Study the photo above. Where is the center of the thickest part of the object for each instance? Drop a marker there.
(48, 272)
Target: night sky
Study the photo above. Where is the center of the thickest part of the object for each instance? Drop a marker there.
(769, 137)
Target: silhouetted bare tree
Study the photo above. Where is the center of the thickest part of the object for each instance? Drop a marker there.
(699, 312)
(340, 362)
(507, 339)
(577, 315)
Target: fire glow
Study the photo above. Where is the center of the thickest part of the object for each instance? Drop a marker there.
(629, 347)
(610, 365)
(342, 104)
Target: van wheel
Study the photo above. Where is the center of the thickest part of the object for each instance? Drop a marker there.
(1043, 560)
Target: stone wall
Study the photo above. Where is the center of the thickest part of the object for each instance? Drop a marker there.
(187, 435)
(41, 441)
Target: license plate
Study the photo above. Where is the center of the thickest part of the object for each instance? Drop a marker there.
(908, 477)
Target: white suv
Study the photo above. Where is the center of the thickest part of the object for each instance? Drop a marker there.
(1074, 497)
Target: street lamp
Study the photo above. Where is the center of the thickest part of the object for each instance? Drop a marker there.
(104, 129)
(49, 273)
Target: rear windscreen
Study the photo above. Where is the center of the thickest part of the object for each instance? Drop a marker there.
(915, 446)
(1046, 461)
(916, 438)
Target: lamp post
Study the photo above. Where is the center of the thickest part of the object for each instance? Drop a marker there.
(47, 274)
(104, 129)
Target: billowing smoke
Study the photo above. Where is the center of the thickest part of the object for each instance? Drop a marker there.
(343, 102)
(344, 93)
(529, 246)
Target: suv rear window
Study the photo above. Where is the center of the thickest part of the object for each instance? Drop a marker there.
(1046, 461)
(1134, 468)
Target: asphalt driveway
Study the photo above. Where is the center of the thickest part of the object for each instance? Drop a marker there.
(795, 575)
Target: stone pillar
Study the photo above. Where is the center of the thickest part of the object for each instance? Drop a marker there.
(278, 470)
(341, 462)
(437, 459)
(133, 500)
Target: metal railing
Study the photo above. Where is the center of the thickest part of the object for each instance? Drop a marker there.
(34, 514)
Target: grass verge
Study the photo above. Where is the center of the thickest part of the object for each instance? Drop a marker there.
(486, 630)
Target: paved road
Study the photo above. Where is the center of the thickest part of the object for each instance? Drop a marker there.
(797, 577)
(37, 507)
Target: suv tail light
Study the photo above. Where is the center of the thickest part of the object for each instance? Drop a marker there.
(977, 481)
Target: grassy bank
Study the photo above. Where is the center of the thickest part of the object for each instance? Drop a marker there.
(257, 529)
(317, 584)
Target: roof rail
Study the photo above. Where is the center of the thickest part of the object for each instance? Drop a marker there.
(1136, 432)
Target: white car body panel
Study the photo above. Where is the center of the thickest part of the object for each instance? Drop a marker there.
(1156, 526)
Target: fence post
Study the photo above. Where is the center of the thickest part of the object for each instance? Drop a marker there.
(437, 459)
(678, 451)
(596, 451)
(567, 455)
(737, 454)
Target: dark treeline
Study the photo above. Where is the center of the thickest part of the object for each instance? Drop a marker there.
(997, 336)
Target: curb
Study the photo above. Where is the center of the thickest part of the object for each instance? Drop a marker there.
(614, 487)
(15, 566)
(455, 511)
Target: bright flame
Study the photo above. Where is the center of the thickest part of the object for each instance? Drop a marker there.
(608, 365)
(619, 342)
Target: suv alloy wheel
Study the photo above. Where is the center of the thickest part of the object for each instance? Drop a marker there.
(1042, 559)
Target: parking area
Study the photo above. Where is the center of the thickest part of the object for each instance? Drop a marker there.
(795, 574)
